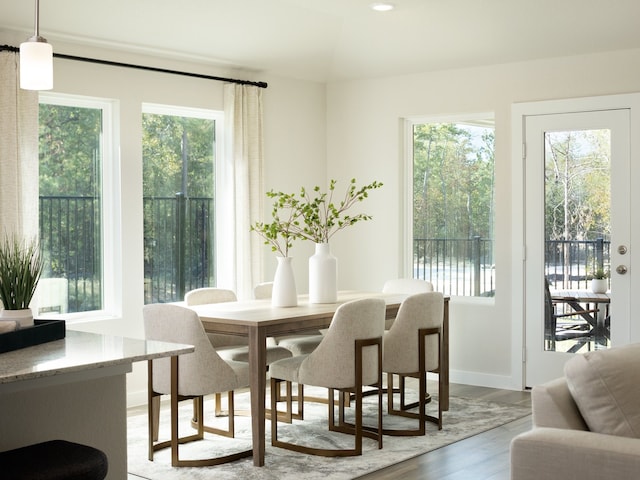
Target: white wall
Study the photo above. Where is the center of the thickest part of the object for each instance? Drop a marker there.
(364, 141)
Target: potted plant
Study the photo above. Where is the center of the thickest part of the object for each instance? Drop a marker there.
(21, 265)
(599, 282)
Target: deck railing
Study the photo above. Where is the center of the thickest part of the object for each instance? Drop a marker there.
(178, 253)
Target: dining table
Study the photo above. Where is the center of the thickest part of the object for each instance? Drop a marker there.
(591, 306)
(258, 320)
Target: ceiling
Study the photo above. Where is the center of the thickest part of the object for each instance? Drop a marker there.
(331, 40)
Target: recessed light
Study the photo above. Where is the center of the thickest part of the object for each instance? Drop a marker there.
(382, 7)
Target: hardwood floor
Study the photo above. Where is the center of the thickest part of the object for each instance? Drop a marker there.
(481, 457)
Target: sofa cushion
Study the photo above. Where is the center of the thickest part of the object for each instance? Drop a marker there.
(605, 385)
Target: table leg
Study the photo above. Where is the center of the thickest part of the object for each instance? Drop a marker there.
(257, 385)
(444, 395)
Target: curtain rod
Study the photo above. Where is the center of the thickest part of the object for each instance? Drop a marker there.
(142, 67)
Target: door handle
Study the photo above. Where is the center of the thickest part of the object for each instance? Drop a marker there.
(621, 269)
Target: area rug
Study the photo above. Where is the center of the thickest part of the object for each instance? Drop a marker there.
(466, 417)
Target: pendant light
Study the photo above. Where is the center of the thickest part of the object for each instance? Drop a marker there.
(36, 60)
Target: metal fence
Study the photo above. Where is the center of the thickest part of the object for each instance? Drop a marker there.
(456, 266)
(178, 246)
(466, 267)
(179, 256)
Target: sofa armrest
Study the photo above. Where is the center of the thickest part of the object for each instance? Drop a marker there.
(554, 453)
(553, 406)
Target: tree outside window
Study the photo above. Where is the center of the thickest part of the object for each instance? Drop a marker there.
(453, 206)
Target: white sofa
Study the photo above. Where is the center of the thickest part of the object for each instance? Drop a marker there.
(586, 425)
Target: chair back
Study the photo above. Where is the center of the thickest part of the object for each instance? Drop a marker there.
(202, 296)
(201, 372)
(263, 291)
(407, 285)
(332, 363)
(401, 345)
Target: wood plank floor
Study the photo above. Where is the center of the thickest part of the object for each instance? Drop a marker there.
(481, 457)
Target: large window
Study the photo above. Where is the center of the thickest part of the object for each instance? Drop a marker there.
(452, 163)
(75, 139)
(179, 153)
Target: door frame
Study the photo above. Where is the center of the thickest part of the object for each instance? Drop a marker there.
(519, 111)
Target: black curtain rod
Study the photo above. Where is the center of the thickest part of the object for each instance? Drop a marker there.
(142, 67)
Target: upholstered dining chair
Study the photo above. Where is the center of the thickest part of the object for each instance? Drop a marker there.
(412, 349)
(200, 373)
(230, 347)
(297, 344)
(348, 358)
(408, 286)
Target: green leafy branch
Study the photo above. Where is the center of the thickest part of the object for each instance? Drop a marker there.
(281, 232)
(317, 219)
(323, 218)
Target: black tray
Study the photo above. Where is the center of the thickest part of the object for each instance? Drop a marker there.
(42, 331)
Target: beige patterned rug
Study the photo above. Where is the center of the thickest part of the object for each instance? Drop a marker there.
(466, 417)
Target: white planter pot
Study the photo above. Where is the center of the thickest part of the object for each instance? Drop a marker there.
(284, 293)
(599, 285)
(24, 317)
(323, 275)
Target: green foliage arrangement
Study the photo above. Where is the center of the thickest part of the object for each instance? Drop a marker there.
(279, 234)
(306, 217)
(21, 265)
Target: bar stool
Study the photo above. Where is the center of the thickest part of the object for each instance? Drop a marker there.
(54, 460)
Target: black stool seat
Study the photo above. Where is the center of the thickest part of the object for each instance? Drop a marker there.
(54, 460)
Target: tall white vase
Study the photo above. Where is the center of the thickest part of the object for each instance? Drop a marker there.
(323, 275)
(284, 293)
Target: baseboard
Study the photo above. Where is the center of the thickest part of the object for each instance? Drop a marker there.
(483, 380)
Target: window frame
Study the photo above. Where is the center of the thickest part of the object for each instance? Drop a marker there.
(480, 119)
(110, 201)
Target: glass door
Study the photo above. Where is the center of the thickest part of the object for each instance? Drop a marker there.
(576, 213)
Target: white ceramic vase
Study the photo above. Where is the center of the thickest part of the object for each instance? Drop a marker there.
(323, 275)
(284, 293)
(23, 317)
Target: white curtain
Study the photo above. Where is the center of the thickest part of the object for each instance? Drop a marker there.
(18, 152)
(240, 191)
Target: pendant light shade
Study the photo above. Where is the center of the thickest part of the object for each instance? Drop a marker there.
(36, 60)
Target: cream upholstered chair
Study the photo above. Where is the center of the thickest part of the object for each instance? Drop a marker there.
(301, 344)
(348, 358)
(200, 373)
(411, 349)
(408, 286)
(263, 290)
(230, 347)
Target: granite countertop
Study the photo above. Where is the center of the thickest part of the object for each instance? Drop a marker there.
(80, 351)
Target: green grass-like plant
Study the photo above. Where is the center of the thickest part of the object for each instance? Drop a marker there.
(21, 265)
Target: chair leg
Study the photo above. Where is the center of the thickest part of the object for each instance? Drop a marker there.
(176, 440)
(421, 416)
